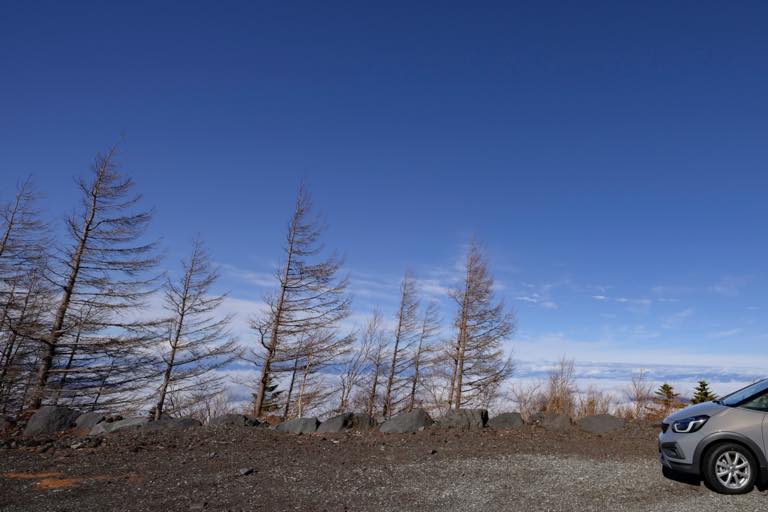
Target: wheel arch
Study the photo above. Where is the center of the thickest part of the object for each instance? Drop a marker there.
(718, 438)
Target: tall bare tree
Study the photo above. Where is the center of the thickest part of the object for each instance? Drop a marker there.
(482, 325)
(310, 298)
(24, 293)
(376, 359)
(354, 369)
(424, 353)
(103, 268)
(198, 340)
(404, 339)
(315, 353)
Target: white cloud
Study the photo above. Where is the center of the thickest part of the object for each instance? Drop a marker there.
(667, 290)
(677, 318)
(730, 286)
(541, 294)
(719, 335)
(259, 279)
(634, 305)
(243, 311)
(432, 288)
(550, 347)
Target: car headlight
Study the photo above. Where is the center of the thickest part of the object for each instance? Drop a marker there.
(688, 425)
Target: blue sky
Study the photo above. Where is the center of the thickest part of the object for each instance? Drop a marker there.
(610, 155)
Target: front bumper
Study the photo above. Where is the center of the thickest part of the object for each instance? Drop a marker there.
(673, 458)
(678, 467)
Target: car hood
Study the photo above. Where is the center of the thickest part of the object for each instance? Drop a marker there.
(708, 408)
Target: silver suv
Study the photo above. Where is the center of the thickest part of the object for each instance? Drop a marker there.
(724, 442)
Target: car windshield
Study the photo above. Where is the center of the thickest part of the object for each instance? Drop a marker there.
(741, 395)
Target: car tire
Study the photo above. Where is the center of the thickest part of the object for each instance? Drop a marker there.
(730, 468)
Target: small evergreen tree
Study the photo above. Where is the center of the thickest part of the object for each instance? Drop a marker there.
(702, 393)
(272, 396)
(666, 396)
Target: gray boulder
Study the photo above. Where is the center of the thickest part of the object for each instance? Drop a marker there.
(338, 423)
(601, 424)
(552, 421)
(363, 422)
(115, 426)
(408, 422)
(507, 420)
(49, 420)
(235, 420)
(299, 426)
(465, 419)
(171, 424)
(87, 421)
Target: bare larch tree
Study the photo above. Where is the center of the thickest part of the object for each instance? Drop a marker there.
(424, 353)
(403, 341)
(24, 294)
(100, 277)
(481, 325)
(376, 350)
(353, 371)
(315, 353)
(198, 340)
(310, 298)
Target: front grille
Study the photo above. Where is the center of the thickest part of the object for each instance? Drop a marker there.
(664, 427)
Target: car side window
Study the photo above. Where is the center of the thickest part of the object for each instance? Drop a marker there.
(758, 404)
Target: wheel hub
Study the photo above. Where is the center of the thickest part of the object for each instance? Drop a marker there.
(733, 470)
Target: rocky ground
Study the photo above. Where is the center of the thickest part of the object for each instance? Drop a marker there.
(238, 468)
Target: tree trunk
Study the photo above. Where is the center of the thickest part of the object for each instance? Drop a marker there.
(391, 379)
(71, 358)
(264, 379)
(290, 388)
(458, 369)
(174, 344)
(299, 405)
(49, 348)
(372, 395)
(414, 383)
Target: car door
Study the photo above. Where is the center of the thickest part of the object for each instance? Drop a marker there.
(757, 405)
(765, 435)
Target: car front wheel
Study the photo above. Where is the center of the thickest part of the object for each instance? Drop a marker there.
(730, 469)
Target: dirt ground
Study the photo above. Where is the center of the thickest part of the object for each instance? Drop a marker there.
(253, 469)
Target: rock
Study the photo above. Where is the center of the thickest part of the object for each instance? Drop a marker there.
(465, 419)
(171, 423)
(235, 420)
(87, 421)
(601, 424)
(114, 426)
(363, 422)
(338, 423)
(245, 471)
(552, 421)
(299, 426)
(413, 421)
(49, 420)
(507, 420)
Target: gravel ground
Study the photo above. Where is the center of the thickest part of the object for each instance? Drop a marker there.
(252, 469)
